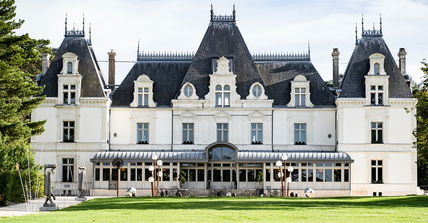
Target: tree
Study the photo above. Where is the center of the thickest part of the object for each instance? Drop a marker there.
(421, 93)
(20, 61)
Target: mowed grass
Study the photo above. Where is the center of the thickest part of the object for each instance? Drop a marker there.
(239, 209)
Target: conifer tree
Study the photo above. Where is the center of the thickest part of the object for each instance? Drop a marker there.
(421, 93)
(20, 61)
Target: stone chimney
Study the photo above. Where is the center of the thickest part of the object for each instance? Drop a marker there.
(45, 62)
(402, 60)
(335, 54)
(111, 68)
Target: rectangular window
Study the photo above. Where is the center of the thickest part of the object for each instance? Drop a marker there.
(218, 99)
(69, 94)
(376, 166)
(143, 97)
(300, 133)
(257, 133)
(226, 175)
(226, 99)
(188, 131)
(376, 94)
(67, 170)
(123, 174)
(139, 174)
(251, 175)
(242, 175)
(106, 174)
(376, 132)
(268, 174)
(147, 174)
(97, 174)
(201, 175)
(133, 174)
(166, 175)
(276, 176)
(142, 133)
(217, 175)
(294, 175)
(337, 175)
(68, 131)
(300, 97)
(222, 132)
(346, 175)
(328, 174)
(319, 175)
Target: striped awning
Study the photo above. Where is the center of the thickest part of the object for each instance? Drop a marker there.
(242, 156)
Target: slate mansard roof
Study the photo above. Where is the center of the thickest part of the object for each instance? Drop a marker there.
(92, 79)
(353, 83)
(223, 38)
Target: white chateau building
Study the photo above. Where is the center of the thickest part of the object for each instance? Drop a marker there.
(222, 118)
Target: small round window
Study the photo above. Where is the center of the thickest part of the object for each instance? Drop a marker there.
(188, 90)
(257, 90)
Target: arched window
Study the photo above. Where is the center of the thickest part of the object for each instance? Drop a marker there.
(257, 91)
(69, 68)
(376, 67)
(221, 153)
(226, 96)
(218, 96)
(188, 90)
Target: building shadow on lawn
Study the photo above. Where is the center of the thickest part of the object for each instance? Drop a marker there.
(144, 203)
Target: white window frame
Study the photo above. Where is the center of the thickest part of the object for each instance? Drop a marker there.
(66, 126)
(376, 166)
(256, 133)
(222, 130)
(67, 94)
(69, 169)
(378, 132)
(143, 129)
(188, 131)
(143, 96)
(300, 128)
(300, 96)
(378, 92)
(222, 96)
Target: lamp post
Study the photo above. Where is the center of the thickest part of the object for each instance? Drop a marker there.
(156, 174)
(290, 170)
(281, 171)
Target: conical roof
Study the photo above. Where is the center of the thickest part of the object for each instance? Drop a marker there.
(92, 79)
(353, 83)
(222, 38)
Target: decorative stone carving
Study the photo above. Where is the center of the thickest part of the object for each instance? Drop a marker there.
(223, 66)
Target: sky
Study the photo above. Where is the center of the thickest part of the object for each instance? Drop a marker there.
(266, 25)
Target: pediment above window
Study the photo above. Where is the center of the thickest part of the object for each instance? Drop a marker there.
(223, 66)
(222, 117)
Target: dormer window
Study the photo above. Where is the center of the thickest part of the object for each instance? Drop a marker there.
(143, 92)
(143, 96)
(222, 96)
(70, 63)
(376, 95)
(188, 90)
(300, 97)
(69, 94)
(214, 62)
(377, 64)
(257, 91)
(69, 68)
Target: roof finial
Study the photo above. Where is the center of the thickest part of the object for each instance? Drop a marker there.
(234, 12)
(309, 49)
(65, 24)
(212, 12)
(90, 35)
(362, 24)
(138, 49)
(374, 27)
(380, 23)
(74, 26)
(356, 34)
(83, 23)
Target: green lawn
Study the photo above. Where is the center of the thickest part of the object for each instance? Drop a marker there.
(239, 209)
